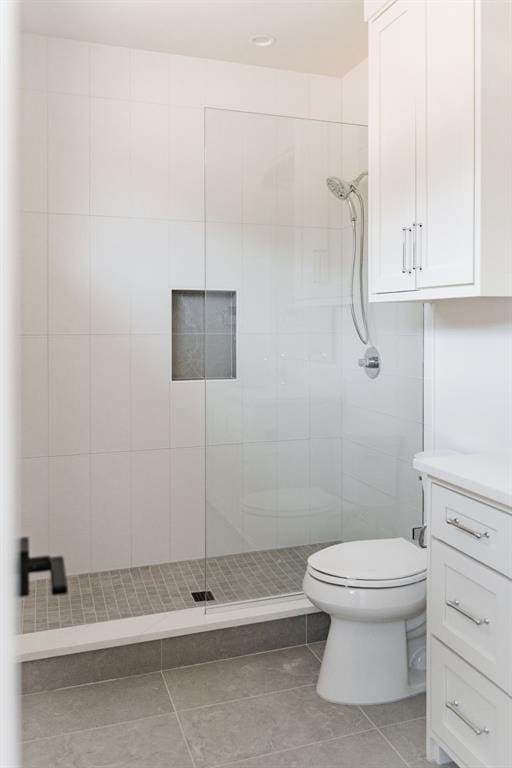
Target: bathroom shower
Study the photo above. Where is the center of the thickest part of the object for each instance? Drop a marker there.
(346, 190)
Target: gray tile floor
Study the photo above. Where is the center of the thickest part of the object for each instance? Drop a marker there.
(94, 597)
(258, 711)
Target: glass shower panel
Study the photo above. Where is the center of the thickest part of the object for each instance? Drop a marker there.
(301, 448)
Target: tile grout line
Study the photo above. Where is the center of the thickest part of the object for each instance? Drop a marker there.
(318, 658)
(178, 721)
(404, 761)
(248, 698)
(94, 728)
(291, 749)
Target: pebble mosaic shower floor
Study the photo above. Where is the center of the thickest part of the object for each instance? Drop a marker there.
(94, 597)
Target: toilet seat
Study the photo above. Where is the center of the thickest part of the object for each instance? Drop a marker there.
(373, 564)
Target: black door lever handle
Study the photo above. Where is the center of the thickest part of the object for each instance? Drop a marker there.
(30, 565)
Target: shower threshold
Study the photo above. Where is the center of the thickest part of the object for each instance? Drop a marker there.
(129, 605)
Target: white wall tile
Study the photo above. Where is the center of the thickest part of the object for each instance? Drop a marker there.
(187, 260)
(187, 503)
(110, 393)
(110, 157)
(224, 533)
(68, 153)
(292, 94)
(110, 511)
(110, 72)
(259, 493)
(324, 97)
(33, 151)
(33, 272)
(33, 62)
(258, 304)
(187, 413)
(69, 516)
(260, 161)
(187, 81)
(186, 132)
(69, 66)
(354, 99)
(68, 274)
(149, 159)
(325, 391)
(111, 243)
(258, 376)
(150, 507)
(34, 396)
(223, 412)
(149, 391)
(223, 256)
(258, 89)
(224, 152)
(149, 76)
(149, 277)
(69, 394)
(34, 504)
(293, 387)
(223, 84)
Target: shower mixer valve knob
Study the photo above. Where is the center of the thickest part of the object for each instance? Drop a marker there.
(370, 362)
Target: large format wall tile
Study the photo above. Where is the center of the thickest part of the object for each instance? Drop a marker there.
(69, 515)
(34, 273)
(68, 153)
(68, 274)
(69, 394)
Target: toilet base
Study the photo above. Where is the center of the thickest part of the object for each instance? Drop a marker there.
(366, 663)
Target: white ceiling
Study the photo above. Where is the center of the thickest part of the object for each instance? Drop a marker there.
(320, 36)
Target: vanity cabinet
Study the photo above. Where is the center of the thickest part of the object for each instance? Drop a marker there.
(440, 149)
(469, 610)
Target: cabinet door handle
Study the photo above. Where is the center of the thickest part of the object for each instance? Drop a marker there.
(455, 604)
(453, 706)
(420, 248)
(414, 245)
(457, 524)
(404, 250)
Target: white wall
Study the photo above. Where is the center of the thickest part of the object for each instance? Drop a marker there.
(469, 369)
(112, 212)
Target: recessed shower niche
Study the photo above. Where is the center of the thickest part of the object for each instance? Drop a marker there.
(203, 335)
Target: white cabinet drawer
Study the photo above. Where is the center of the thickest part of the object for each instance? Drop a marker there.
(468, 713)
(470, 610)
(477, 529)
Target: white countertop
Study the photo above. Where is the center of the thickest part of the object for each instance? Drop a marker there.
(487, 475)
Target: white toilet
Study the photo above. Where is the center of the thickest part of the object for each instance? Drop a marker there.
(375, 593)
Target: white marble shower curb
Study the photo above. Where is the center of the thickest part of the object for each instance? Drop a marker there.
(138, 629)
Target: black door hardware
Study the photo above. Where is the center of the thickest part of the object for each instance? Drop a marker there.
(30, 565)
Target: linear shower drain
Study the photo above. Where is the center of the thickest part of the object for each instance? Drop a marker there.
(202, 597)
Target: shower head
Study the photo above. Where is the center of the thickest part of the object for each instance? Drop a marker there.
(342, 189)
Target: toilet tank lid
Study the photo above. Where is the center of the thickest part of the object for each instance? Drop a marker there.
(375, 559)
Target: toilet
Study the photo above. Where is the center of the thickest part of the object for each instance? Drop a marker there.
(375, 594)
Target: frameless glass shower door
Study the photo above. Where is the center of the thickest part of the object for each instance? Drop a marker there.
(301, 448)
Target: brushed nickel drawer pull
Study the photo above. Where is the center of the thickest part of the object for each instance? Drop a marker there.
(453, 706)
(455, 604)
(457, 524)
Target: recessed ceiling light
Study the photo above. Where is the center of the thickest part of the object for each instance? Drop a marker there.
(262, 41)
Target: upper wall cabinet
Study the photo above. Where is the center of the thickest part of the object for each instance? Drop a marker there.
(440, 136)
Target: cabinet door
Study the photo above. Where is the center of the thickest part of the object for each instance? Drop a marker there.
(396, 63)
(446, 151)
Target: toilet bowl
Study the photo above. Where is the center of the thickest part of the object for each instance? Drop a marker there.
(375, 594)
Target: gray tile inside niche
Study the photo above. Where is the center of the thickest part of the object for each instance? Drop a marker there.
(188, 357)
(220, 312)
(220, 356)
(188, 313)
